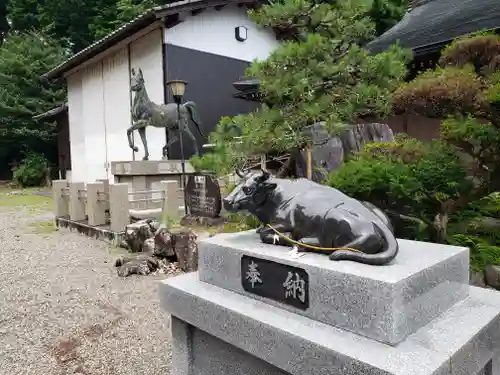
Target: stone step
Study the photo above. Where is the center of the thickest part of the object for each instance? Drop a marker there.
(462, 341)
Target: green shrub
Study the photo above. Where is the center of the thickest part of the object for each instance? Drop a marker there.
(482, 253)
(478, 227)
(480, 50)
(414, 182)
(442, 92)
(478, 142)
(32, 171)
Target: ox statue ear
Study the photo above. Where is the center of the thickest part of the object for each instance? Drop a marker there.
(265, 175)
(140, 72)
(239, 173)
(133, 71)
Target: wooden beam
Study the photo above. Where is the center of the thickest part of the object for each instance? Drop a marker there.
(219, 7)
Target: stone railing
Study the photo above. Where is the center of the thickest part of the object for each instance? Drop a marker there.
(92, 201)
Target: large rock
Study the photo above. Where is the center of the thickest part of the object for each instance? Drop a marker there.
(186, 250)
(329, 152)
(492, 276)
(138, 232)
(158, 250)
(140, 264)
(163, 246)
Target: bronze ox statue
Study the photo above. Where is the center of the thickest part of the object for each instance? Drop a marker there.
(314, 217)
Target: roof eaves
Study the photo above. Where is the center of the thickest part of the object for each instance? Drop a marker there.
(51, 112)
(119, 34)
(127, 29)
(435, 22)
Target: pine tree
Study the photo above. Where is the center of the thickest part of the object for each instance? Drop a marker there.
(23, 59)
(319, 74)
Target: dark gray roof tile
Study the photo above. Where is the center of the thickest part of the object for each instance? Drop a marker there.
(439, 21)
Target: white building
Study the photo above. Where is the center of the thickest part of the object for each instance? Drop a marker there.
(202, 42)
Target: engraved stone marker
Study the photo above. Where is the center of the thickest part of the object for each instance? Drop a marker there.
(203, 196)
(277, 281)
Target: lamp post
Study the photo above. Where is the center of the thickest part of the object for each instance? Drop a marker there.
(178, 87)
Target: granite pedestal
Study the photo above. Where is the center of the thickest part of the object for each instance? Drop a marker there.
(144, 175)
(417, 315)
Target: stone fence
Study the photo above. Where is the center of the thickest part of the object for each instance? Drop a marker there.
(93, 201)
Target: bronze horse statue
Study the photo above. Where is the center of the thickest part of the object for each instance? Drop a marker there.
(146, 113)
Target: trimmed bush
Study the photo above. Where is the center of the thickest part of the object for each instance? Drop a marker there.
(442, 92)
(415, 183)
(32, 171)
(481, 51)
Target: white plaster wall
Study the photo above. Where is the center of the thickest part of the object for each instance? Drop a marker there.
(146, 53)
(212, 31)
(93, 123)
(76, 130)
(117, 106)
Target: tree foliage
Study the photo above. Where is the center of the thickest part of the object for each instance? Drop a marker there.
(23, 59)
(446, 191)
(74, 23)
(4, 23)
(386, 13)
(409, 179)
(320, 74)
(116, 13)
(468, 101)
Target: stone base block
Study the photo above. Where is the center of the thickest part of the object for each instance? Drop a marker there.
(219, 332)
(385, 303)
(102, 233)
(144, 175)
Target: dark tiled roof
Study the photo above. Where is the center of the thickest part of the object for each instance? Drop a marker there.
(436, 22)
(128, 29)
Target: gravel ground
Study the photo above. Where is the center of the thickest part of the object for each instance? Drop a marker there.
(63, 310)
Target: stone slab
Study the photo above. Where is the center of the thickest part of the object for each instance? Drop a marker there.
(149, 167)
(385, 303)
(471, 341)
(299, 345)
(198, 353)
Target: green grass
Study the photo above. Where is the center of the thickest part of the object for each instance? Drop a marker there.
(19, 198)
(43, 227)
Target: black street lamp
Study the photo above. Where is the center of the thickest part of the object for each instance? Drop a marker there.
(178, 87)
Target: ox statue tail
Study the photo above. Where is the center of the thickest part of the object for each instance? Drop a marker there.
(389, 252)
(193, 113)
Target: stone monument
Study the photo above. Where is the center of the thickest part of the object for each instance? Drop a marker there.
(203, 199)
(253, 308)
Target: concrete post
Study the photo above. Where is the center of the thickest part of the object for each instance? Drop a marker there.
(60, 198)
(171, 202)
(76, 201)
(105, 181)
(119, 206)
(96, 203)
